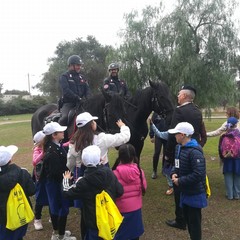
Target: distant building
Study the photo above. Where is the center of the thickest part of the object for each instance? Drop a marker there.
(9, 97)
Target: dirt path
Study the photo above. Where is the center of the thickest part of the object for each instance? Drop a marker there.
(10, 122)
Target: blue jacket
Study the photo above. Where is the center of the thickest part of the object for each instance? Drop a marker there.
(116, 85)
(160, 124)
(191, 169)
(73, 86)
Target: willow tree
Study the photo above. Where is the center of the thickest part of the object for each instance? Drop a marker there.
(195, 44)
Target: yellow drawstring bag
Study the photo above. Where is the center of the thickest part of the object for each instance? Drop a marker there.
(19, 211)
(108, 216)
(208, 189)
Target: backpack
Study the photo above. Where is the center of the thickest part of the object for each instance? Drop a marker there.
(229, 145)
(108, 216)
(19, 211)
(38, 169)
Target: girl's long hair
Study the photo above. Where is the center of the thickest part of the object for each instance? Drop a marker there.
(127, 154)
(46, 142)
(83, 137)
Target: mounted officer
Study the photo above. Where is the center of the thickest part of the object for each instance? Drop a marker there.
(74, 88)
(113, 84)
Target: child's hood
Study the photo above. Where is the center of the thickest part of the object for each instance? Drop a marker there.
(9, 176)
(128, 172)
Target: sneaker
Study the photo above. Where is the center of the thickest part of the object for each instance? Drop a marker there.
(54, 237)
(169, 191)
(50, 220)
(38, 224)
(154, 175)
(67, 233)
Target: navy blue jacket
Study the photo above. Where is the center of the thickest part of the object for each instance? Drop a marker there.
(73, 86)
(54, 163)
(114, 84)
(192, 168)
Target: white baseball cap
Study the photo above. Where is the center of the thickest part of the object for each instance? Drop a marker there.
(6, 154)
(91, 156)
(182, 127)
(83, 118)
(38, 137)
(53, 127)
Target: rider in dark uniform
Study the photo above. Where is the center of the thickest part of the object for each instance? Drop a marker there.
(113, 84)
(74, 87)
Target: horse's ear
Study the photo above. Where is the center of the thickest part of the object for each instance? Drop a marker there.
(152, 84)
(106, 95)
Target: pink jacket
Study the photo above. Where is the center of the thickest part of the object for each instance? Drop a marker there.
(37, 155)
(128, 175)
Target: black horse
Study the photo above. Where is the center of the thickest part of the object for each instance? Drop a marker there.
(107, 108)
(155, 98)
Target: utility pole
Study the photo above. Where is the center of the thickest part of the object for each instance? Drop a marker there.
(29, 83)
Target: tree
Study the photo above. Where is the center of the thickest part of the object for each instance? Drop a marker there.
(195, 44)
(93, 55)
(16, 92)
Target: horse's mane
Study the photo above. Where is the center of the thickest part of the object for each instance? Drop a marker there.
(139, 95)
(117, 101)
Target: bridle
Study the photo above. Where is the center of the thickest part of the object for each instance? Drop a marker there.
(156, 105)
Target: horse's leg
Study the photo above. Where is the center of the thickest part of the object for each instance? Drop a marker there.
(139, 149)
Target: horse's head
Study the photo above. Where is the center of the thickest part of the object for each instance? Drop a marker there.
(161, 100)
(113, 111)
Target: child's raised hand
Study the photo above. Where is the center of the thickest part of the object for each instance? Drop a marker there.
(67, 175)
(120, 123)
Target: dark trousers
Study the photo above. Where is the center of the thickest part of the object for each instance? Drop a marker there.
(63, 121)
(178, 210)
(59, 223)
(38, 211)
(158, 144)
(193, 218)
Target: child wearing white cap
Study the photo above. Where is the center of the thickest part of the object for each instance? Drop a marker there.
(54, 165)
(189, 174)
(10, 175)
(87, 135)
(41, 195)
(96, 178)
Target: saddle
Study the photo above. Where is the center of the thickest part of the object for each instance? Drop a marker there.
(55, 116)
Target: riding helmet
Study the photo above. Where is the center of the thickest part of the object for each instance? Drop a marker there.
(74, 59)
(113, 66)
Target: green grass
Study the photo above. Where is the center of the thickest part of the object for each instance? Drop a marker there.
(220, 218)
(15, 117)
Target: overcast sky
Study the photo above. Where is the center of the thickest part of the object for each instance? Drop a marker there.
(31, 30)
